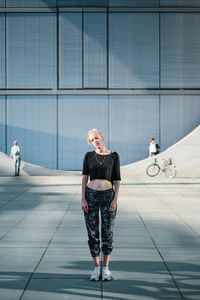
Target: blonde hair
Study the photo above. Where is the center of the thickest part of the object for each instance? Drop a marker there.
(94, 130)
(15, 142)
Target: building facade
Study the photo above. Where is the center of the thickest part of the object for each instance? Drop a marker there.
(130, 68)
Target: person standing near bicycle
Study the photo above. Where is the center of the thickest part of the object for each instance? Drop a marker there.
(154, 148)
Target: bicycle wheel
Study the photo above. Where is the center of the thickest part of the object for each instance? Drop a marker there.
(153, 170)
(171, 171)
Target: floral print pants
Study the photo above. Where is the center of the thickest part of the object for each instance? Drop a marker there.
(99, 200)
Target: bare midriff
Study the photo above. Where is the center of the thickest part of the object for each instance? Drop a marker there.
(100, 184)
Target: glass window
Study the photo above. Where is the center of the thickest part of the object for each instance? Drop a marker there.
(2, 123)
(32, 120)
(77, 115)
(2, 50)
(180, 55)
(83, 3)
(134, 50)
(70, 46)
(2, 3)
(95, 50)
(133, 121)
(31, 50)
(179, 3)
(184, 112)
(134, 3)
(31, 3)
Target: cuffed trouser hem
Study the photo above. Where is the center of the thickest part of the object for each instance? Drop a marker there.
(106, 252)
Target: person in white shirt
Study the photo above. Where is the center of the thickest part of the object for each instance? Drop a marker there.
(15, 155)
(154, 148)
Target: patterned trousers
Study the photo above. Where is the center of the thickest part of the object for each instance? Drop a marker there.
(99, 200)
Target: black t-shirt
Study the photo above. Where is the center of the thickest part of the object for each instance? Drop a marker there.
(99, 166)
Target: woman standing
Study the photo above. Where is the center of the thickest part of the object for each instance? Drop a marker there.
(103, 168)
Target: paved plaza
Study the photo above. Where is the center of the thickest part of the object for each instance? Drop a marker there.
(43, 241)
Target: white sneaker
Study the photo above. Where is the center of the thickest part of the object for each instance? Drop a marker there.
(95, 274)
(106, 275)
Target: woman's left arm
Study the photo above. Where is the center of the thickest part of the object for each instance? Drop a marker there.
(113, 205)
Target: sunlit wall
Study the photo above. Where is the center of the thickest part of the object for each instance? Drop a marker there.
(128, 67)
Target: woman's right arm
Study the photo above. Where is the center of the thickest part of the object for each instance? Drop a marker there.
(84, 202)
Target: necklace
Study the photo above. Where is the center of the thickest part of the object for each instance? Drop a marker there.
(100, 162)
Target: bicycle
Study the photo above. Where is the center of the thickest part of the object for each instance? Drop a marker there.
(168, 168)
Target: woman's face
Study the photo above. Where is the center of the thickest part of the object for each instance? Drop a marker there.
(95, 140)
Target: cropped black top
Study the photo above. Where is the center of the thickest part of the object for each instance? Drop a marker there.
(102, 166)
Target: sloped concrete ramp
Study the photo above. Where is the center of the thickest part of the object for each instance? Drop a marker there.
(185, 155)
(27, 169)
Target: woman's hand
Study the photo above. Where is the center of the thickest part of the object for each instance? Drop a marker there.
(113, 206)
(84, 205)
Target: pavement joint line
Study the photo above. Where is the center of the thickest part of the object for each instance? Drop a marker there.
(29, 211)
(67, 209)
(165, 264)
(101, 267)
(18, 222)
(170, 208)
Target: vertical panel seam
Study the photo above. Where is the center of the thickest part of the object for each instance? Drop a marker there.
(6, 126)
(57, 137)
(5, 49)
(6, 84)
(83, 67)
(107, 46)
(159, 121)
(108, 99)
(57, 49)
(159, 39)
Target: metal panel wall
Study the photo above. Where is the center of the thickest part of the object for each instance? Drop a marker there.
(180, 3)
(30, 3)
(2, 50)
(180, 55)
(179, 116)
(95, 50)
(77, 115)
(70, 42)
(134, 3)
(32, 120)
(31, 50)
(74, 3)
(134, 120)
(2, 124)
(133, 50)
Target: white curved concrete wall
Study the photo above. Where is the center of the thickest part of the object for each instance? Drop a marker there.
(185, 155)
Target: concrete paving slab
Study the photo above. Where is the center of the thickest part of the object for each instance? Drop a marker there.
(141, 289)
(65, 263)
(44, 217)
(12, 288)
(138, 265)
(62, 289)
(19, 262)
(181, 253)
(184, 269)
(190, 288)
(132, 241)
